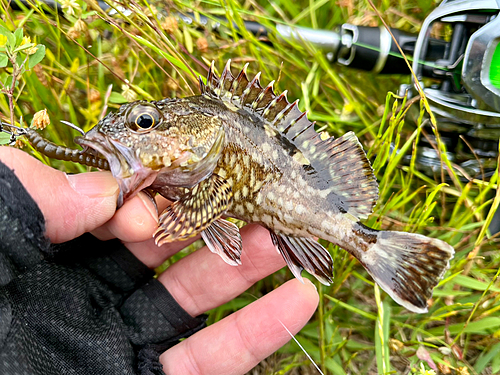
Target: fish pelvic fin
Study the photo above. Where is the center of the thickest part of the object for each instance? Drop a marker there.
(407, 266)
(223, 238)
(301, 253)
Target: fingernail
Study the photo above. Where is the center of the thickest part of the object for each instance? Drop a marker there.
(307, 281)
(150, 205)
(93, 184)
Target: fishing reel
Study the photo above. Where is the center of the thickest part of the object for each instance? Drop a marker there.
(462, 85)
(456, 59)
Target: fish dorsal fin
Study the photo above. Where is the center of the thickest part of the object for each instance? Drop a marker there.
(339, 166)
(248, 94)
(350, 176)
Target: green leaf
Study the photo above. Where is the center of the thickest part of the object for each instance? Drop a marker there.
(8, 82)
(11, 39)
(382, 327)
(4, 60)
(37, 56)
(20, 59)
(4, 138)
(23, 47)
(484, 326)
(88, 14)
(188, 40)
(469, 282)
(485, 358)
(4, 31)
(495, 365)
(117, 98)
(19, 36)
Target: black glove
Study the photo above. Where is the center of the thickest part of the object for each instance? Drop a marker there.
(81, 307)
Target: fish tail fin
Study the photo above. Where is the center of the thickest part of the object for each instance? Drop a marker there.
(406, 265)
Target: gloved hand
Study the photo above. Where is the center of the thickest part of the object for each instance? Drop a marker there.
(77, 303)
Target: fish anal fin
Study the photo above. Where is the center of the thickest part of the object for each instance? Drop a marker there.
(195, 211)
(301, 253)
(223, 238)
(407, 266)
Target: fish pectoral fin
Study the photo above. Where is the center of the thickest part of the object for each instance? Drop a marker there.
(304, 253)
(223, 237)
(194, 211)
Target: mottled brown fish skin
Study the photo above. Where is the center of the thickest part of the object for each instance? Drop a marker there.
(269, 185)
(241, 150)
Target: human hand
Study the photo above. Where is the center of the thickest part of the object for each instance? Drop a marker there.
(73, 205)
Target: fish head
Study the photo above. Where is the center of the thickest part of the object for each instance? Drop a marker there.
(156, 143)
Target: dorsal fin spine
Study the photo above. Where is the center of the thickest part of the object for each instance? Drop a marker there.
(289, 109)
(203, 87)
(277, 99)
(255, 82)
(264, 91)
(237, 82)
(282, 112)
(310, 126)
(226, 77)
(210, 76)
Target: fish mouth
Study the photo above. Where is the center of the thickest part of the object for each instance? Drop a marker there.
(125, 166)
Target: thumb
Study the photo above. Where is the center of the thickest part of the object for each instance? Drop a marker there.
(71, 204)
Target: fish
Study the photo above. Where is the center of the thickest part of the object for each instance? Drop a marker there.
(240, 150)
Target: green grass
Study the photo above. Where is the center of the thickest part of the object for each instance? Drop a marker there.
(357, 329)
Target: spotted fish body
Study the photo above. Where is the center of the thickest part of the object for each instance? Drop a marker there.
(240, 150)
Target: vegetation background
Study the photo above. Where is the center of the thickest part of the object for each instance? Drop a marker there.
(95, 60)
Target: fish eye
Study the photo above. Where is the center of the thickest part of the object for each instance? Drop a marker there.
(145, 121)
(143, 118)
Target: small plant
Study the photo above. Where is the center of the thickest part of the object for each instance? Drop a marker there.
(18, 52)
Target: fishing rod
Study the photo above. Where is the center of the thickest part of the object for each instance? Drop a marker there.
(459, 73)
(455, 57)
